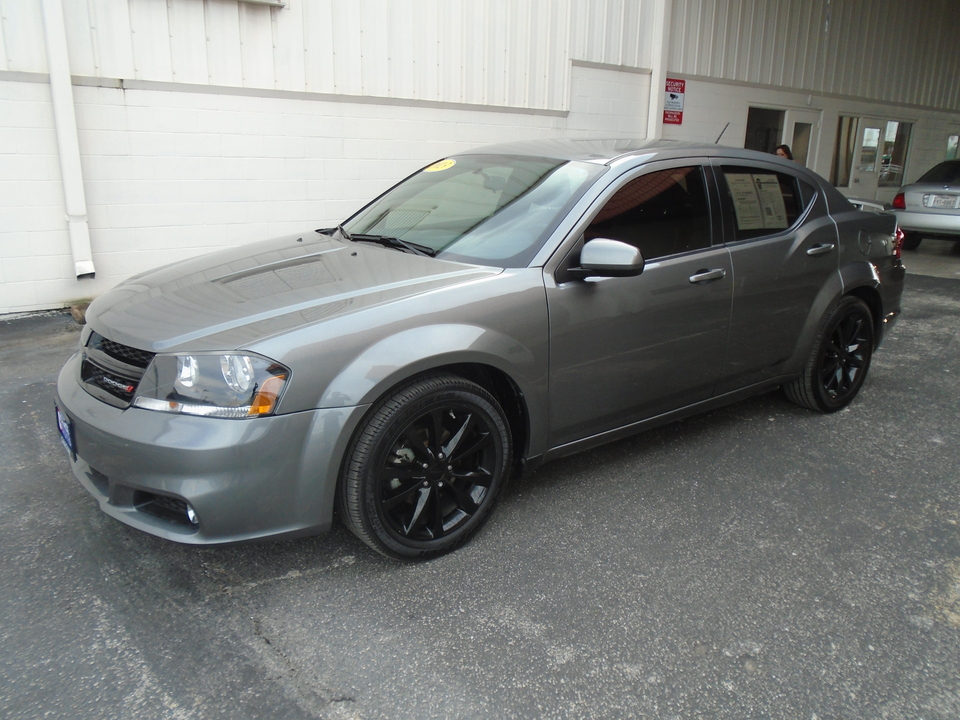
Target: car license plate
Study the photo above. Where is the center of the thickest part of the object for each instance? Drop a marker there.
(943, 201)
(66, 433)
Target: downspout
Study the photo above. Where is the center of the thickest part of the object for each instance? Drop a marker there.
(659, 52)
(65, 120)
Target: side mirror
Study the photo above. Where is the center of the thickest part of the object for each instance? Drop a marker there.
(608, 258)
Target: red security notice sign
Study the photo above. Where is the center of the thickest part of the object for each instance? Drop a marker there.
(673, 101)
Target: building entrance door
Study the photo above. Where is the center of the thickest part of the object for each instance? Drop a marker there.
(865, 173)
(801, 131)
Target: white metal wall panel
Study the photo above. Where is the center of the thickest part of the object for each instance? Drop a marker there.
(150, 30)
(883, 50)
(496, 52)
(612, 32)
(112, 38)
(23, 45)
(288, 48)
(224, 64)
(77, 15)
(256, 45)
(188, 41)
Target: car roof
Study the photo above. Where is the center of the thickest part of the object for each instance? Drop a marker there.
(607, 150)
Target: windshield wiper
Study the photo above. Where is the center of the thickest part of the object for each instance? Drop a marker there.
(387, 241)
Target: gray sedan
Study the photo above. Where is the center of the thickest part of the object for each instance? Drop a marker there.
(930, 207)
(496, 309)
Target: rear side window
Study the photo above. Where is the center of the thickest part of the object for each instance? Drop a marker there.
(764, 202)
(661, 213)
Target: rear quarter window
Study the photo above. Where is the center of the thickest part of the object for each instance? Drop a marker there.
(764, 202)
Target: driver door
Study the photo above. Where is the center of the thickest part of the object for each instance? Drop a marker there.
(626, 349)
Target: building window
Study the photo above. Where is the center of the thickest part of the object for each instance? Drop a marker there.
(952, 142)
(895, 140)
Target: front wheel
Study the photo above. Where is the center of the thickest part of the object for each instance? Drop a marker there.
(839, 361)
(426, 468)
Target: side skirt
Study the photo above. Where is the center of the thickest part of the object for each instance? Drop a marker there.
(656, 421)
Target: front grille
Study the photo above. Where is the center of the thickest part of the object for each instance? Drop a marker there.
(123, 353)
(111, 371)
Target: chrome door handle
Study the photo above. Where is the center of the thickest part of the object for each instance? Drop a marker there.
(708, 275)
(821, 249)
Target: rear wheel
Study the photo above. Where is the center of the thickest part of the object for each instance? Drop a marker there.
(911, 240)
(840, 359)
(426, 468)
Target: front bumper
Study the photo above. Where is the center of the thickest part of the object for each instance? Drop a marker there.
(243, 479)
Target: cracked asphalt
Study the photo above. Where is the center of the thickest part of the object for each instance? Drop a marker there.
(759, 561)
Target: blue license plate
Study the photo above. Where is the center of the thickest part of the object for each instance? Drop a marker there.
(66, 433)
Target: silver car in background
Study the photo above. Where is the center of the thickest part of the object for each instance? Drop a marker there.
(494, 310)
(930, 207)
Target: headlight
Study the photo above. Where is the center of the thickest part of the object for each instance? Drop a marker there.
(226, 385)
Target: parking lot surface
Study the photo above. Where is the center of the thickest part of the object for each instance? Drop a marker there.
(760, 561)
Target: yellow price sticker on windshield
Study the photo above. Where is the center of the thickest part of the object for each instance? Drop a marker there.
(440, 165)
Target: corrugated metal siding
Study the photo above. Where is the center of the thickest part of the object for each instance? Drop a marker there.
(884, 50)
(493, 52)
(501, 52)
(613, 32)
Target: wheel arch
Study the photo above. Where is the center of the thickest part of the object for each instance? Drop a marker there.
(514, 374)
(871, 296)
(861, 280)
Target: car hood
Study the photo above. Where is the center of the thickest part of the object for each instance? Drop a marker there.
(235, 297)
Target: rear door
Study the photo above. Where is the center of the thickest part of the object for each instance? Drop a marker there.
(783, 247)
(625, 349)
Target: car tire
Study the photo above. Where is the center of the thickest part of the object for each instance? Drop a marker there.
(426, 468)
(839, 361)
(911, 240)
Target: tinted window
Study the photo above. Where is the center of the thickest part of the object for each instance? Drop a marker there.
(946, 172)
(765, 202)
(661, 213)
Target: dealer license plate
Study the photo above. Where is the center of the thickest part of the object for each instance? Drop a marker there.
(943, 201)
(66, 433)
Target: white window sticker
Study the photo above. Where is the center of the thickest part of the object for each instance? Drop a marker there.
(757, 201)
(745, 201)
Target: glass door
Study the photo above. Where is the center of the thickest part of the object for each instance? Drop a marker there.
(867, 162)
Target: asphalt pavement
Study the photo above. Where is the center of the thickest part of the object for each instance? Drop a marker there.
(759, 561)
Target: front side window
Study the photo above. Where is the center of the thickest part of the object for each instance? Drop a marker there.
(489, 209)
(764, 202)
(661, 213)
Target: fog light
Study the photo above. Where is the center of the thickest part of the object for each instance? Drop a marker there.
(192, 515)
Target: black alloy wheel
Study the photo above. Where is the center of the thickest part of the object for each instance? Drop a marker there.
(841, 355)
(426, 468)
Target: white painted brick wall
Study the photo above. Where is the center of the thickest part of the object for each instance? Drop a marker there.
(169, 175)
(607, 103)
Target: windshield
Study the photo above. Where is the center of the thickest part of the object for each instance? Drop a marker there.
(488, 209)
(946, 172)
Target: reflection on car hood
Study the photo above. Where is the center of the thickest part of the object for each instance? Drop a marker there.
(237, 296)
